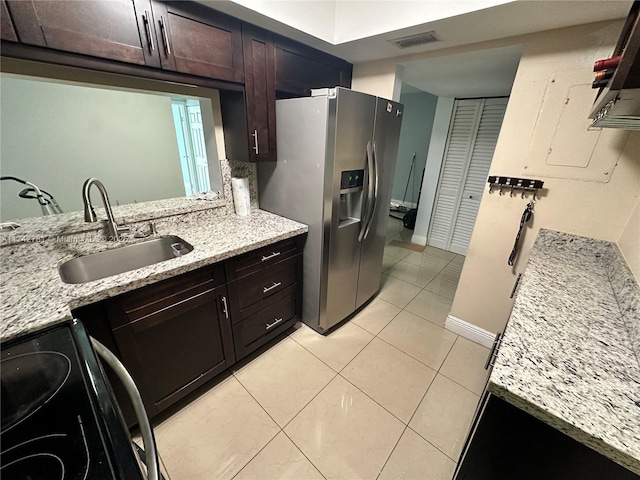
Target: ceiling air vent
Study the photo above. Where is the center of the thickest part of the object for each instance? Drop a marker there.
(415, 40)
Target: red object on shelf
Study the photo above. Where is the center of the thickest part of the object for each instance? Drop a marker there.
(606, 63)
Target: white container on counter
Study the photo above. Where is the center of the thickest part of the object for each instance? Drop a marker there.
(241, 197)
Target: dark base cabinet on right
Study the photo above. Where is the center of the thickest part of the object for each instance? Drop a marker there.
(264, 293)
(507, 443)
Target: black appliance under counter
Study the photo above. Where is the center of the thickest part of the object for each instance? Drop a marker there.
(58, 417)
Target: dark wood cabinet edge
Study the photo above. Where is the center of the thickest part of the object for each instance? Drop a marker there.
(301, 49)
(44, 55)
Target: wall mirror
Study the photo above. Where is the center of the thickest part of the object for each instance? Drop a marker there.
(144, 139)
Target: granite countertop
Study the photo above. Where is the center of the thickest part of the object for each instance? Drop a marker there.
(32, 296)
(569, 355)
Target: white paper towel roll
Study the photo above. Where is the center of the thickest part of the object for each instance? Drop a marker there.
(241, 198)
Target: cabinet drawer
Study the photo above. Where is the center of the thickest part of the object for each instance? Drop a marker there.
(267, 282)
(268, 320)
(158, 296)
(260, 259)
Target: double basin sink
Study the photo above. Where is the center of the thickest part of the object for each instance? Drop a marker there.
(122, 259)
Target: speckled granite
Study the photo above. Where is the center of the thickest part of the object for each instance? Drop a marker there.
(627, 292)
(33, 296)
(566, 356)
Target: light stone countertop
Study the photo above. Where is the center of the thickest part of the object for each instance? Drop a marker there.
(569, 355)
(32, 296)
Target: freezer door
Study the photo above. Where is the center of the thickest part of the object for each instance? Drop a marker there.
(349, 134)
(388, 120)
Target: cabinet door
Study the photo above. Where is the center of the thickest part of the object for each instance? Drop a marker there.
(197, 40)
(260, 93)
(111, 29)
(7, 32)
(300, 69)
(178, 345)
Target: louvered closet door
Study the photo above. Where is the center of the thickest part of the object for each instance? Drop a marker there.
(473, 133)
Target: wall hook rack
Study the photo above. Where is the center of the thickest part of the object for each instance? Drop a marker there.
(521, 185)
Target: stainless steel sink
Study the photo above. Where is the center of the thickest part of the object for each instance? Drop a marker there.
(123, 259)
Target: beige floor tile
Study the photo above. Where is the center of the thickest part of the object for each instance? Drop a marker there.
(419, 338)
(338, 347)
(375, 316)
(416, 459)
(444, 416)
(284, 379)
(388, 261)
(392, 378)
(438, 252)
(279, 460)
(444, 284)
(430, 306)
(344, 433)
(465, 365)
(396, 291)
(414, 274)
(216, 435)
(396, 252)
(435, 262)
(458, 260)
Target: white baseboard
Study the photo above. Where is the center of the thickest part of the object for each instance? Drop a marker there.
(418, 239)
(470, 331)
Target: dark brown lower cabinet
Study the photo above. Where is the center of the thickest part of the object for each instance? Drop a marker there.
(177, 334)
(507, 443)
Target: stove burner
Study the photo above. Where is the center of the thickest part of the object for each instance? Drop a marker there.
(39, 466)
(29, 381)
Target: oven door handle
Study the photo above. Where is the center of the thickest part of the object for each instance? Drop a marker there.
(143, 421)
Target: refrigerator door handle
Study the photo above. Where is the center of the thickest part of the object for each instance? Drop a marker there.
(374, 200)
(370, 193)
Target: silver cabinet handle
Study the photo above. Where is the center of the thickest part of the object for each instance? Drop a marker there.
(276, 322)
(165, 37)
(136, 400)
(269, 257)
(515, 286)
(147, 27)
(275, 285)
(493, 354)
(225, 307)
(255, 138)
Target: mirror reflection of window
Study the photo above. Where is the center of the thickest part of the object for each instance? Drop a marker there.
(145, 140)
(187, 118)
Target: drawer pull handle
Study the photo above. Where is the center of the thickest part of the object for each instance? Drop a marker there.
(275, 285)
(269, 257)
(225, 307)
(271, 325)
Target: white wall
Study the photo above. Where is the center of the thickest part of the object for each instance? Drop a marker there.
(57, 136)
(417, 122)
(629, 242)
(590, 208)
(438, 142)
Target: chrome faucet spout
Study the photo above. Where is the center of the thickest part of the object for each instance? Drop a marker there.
(113, 229)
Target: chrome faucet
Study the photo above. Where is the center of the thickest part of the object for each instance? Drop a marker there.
(113, 229)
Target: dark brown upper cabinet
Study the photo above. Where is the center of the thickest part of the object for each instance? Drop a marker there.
(119, 30)
(7, 32)
(260, 93)
(249, 117)
(199, 41)
(300, 68)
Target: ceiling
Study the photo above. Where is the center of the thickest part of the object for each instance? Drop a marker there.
(361, 30)
(482, 73)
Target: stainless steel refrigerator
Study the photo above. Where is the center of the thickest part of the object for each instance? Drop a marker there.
(336, 160)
